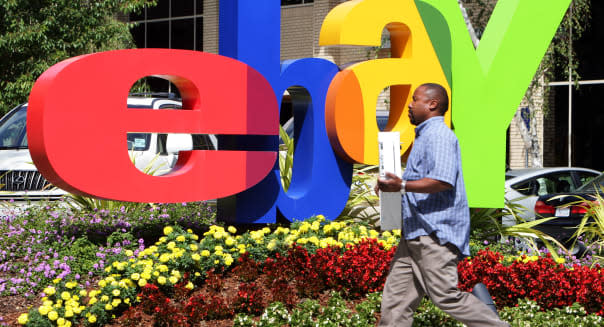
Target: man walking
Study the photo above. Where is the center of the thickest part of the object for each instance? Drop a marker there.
(436, 222)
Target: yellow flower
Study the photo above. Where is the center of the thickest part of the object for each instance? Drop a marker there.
(146, 274)
(104, 298)
(65, 295)
(102, 283)
(232, 230)
(168, 230)
(229, 241)
(49, 290)
(304, 227)
(181, 238)
(195, 257)
(83, 293)
(92, 319)
(560, 260)
(129, 253)
(142, 282)
(228, 261)
(116, 292)
(108, 307)
(173, 279)
(193, 247)
(22, 320)
(164, 257)
(281, 230)
(189, 286)
(53, 315)
(116, 302)
(43, 310)
(61, 322)
(71, 285)
(90, 302)
(271, 245)
(323, 244)
(135, 276)
(161, 280)
(205, 253)
(171, 245)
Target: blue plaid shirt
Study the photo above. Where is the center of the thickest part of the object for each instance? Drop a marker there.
(435, 154)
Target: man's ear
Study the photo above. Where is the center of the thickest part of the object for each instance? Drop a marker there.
(433, 105)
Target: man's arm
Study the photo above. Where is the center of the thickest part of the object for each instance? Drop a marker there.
(425, 185)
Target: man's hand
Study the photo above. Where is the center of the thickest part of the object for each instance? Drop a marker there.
(390, 183)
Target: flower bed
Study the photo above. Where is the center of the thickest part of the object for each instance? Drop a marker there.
(541, 279)
(179, 280)
(178, 253)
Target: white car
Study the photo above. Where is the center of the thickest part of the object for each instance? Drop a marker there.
(524, 186)
(154, 153)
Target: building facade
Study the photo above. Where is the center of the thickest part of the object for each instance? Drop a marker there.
(193, 25)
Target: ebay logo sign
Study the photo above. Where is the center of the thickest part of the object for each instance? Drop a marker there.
(237, 93)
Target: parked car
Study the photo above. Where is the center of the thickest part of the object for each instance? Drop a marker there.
(569, 208)
(524, 186)
(21, 182)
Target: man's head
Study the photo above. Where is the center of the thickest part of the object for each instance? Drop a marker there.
(429, 100)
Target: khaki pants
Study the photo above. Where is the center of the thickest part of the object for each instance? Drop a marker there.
(423, 266)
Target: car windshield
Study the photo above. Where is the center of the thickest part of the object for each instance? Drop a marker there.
(593, 185)
(12, 129)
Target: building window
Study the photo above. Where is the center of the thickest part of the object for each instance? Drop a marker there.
(172, 24)
(295, 2)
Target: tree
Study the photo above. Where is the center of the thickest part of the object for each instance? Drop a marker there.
(36, 34)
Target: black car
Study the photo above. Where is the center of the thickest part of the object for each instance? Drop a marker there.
(568, 208)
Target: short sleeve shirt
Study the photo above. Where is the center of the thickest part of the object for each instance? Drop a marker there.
(436, 154)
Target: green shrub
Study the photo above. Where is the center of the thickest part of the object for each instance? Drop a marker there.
(310, 314)
(428, 315)
(529, 314)
(83, 253)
